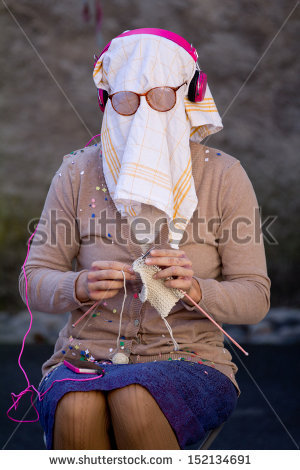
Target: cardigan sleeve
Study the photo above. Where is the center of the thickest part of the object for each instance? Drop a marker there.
(242, 296)
(51, 280)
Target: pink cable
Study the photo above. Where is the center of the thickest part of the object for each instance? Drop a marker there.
(31, 388)
(97, 135)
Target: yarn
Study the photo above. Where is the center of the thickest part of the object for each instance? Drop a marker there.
(120, 358)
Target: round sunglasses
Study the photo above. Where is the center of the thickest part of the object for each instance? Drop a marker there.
(161, 99)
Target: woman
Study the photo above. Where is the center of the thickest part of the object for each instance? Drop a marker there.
(161, 388)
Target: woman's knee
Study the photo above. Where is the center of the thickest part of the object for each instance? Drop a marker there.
(138, 421)
(76, 405)
(133, 402)
(82, 421)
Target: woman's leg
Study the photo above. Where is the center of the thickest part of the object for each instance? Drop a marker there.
(138, 421)
(82, 421)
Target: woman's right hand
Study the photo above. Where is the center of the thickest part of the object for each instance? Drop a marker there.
(103, 280)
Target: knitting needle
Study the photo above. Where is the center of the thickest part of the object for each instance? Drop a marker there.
(215, 323)
(87, 312)
(147, 252)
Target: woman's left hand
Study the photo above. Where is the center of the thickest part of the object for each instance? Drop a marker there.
(175, 263)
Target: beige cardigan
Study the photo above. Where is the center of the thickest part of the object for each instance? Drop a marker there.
(223, 240)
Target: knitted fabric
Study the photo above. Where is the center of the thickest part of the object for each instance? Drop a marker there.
(162, 298)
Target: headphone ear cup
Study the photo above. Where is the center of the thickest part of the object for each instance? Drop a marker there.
(102, 98)
(197, 87)
(192, 87)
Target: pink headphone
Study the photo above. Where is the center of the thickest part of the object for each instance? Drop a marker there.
(198, 83)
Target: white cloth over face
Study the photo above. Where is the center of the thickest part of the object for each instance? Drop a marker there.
(146, 156)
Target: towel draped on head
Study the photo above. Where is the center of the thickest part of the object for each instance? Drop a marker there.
(146, 156)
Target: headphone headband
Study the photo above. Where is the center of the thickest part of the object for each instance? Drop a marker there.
(197, 85)
(163, 33)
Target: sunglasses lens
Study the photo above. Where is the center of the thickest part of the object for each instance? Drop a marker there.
(125, 102)
(162, 98)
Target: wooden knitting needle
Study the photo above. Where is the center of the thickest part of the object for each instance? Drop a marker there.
(86, 313)
(215, 323)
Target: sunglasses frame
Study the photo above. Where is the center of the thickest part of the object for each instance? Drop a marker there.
(145, 94)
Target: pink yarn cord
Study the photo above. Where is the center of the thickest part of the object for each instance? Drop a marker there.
(31, 388)
(97, 135)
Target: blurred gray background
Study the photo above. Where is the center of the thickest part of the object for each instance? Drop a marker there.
(49, 108)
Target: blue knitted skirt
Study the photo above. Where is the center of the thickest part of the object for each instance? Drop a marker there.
(195, 398)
